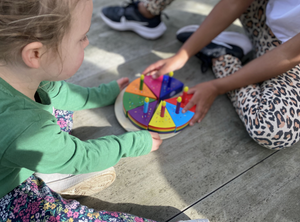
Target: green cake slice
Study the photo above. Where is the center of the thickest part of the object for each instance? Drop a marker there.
(131, 101)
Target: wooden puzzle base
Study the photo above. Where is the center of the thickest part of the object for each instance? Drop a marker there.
(125, 122)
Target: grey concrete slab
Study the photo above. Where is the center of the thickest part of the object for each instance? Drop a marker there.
(206, 161)
(267, 192)
(187, 167)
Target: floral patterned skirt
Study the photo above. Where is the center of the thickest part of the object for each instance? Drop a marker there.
(64, 119)
(34, 201)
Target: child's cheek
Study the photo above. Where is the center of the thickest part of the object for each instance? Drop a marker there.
(79, 61)
(73, 65)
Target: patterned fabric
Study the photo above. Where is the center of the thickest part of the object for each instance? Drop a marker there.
(155, 7)
(270, 110)
(34, 201)
(64, 119)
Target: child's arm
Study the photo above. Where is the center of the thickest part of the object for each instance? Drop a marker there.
(222, 15)
(271, 64)
(73, 97)
(42, 147)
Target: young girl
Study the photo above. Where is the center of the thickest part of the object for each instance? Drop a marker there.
(265, 92)
(42, 43)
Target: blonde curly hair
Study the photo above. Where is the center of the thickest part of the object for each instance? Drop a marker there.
(26, 21)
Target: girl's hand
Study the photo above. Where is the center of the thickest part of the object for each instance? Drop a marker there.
(204, 96)
(156, 141)
(123, 82)
(165, 66)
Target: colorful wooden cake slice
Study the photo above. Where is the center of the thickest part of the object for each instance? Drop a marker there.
(154, 84)
(141, 119)
(187, 99)
(181, 120)
(131, 101)
(134, 87)
(170, 87)
(161, 124)
(183, 103)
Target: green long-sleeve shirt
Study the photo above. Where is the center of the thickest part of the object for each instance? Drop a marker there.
(31, 140)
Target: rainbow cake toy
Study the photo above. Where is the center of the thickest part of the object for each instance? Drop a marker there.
(147, 103)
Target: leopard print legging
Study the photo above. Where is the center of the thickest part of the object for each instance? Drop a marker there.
(155, 7)
(270, 110)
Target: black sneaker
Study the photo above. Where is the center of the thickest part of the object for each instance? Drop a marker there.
(227, 43)
(129, 18)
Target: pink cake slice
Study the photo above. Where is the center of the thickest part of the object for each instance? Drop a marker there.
(154, 84)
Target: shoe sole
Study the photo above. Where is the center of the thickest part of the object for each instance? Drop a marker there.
(84, 184)
(233, 38)
(147, 33)
(188, 28)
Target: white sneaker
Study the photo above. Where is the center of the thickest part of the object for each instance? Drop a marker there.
(79, 185)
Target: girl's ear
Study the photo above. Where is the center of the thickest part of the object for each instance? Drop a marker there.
(31, 54)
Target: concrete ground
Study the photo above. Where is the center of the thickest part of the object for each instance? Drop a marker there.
(212, 170)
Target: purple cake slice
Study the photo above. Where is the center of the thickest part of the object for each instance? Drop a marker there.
(141, 119)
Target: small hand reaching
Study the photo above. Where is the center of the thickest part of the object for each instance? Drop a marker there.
(156, 141)
(204, 96)
(123, 82)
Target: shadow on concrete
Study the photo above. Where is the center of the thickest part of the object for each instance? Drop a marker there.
(150, 212)
(88, 132)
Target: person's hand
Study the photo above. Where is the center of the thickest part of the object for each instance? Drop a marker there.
(204, 96)
(123, 82)
(156, 141)
(165, 66)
